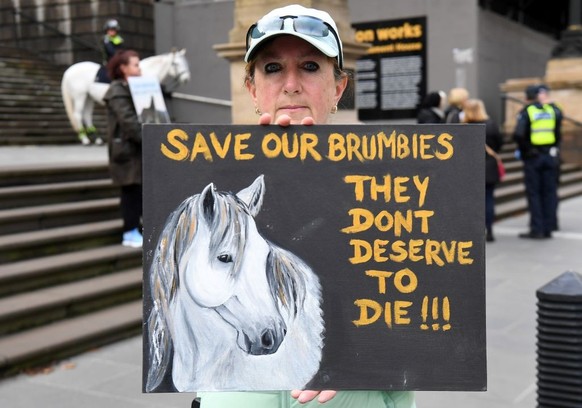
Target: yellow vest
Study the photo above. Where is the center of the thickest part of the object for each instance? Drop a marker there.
(542, 125)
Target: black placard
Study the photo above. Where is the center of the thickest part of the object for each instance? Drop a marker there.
(389, 221)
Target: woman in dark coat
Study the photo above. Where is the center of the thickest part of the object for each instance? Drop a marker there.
(474, 112)
(431, 110)
(124, 142)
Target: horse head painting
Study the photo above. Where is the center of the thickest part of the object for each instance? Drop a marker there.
(230, 310)
(80, 91)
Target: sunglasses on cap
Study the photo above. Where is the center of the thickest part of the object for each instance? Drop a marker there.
(308, 25)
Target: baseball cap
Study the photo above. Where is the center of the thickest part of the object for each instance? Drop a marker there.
(312, 25)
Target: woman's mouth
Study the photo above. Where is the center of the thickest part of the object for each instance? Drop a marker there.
(292, 108)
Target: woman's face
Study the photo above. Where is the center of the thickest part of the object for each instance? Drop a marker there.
(131, 68)
(292, 77)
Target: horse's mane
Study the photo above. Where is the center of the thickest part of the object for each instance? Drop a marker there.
(177, 234)
(286, 276)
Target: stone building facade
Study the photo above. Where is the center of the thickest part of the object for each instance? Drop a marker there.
(69, 31)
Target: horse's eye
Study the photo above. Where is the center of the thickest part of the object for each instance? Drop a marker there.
(226, 258)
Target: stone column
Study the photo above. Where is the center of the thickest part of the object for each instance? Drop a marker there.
(247, 12)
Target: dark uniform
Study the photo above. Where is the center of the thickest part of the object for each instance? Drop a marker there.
(110, 45)
(537, 134)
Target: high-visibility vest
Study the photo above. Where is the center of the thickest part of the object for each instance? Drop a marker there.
(542, 124)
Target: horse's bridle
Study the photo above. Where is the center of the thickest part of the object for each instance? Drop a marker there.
(175, 76)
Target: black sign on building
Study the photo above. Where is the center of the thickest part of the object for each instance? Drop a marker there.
(391, 78)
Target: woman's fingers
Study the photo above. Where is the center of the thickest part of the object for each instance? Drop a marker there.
(265, 119)
(283, 120)
(326, 395)
(304, 396)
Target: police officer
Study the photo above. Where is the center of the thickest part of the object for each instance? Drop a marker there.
(112, 42)
(537, 135)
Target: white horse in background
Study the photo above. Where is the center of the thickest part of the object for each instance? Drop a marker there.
(80, 91)
(231, 310)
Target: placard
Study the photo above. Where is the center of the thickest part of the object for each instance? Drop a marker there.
(148, 99)
(318, 257)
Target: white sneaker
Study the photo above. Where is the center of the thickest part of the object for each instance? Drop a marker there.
(132, 239)
(84, 139)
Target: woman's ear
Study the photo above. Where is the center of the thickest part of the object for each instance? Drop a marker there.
(340, 87)
(250, 85)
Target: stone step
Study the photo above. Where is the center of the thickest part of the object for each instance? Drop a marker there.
(26, 102)
(30, 72)
(31, 174)
(30, 89)
(38, 140)
(515, 191)
(60, 122)
(12, 114)
(42, 217)
(37, 97)
(52, 193)
(35, 244)
(52, 270)
(519, 205)
(24, 311)
(35, 131)
(69, 337)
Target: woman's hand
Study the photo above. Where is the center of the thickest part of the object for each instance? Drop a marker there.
(284, 120)
(304, 396)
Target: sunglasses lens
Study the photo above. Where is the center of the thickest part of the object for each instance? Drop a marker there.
(264, 27)
(310, 26)
(301, 24)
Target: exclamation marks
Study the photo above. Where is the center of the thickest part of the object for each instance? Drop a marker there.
(434, 314)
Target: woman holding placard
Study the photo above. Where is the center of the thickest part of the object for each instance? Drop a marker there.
(124, 143)
(295, 75)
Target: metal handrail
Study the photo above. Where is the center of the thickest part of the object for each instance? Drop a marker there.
(506, 97)
(201, 99)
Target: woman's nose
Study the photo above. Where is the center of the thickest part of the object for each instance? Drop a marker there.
(292, 83)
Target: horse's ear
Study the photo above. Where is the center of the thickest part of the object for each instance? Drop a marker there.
(253, 195)
(182, 51)
(206, 202)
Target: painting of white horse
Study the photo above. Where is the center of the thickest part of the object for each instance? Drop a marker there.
(80, 91)
(230, 310)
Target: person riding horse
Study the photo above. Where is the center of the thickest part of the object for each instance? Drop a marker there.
(112, 42)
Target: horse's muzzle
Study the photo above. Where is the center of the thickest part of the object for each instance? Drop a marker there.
(267, 343)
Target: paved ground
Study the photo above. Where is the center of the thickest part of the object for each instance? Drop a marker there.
(110, 377)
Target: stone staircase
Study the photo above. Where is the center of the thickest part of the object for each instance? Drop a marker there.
(31, 107)
(66, 283)
(510, 197)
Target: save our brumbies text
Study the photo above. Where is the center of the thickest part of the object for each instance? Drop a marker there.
(182, 146)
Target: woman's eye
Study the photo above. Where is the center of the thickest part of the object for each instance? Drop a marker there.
(272, 67)
(226, 258)
(311, 66)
